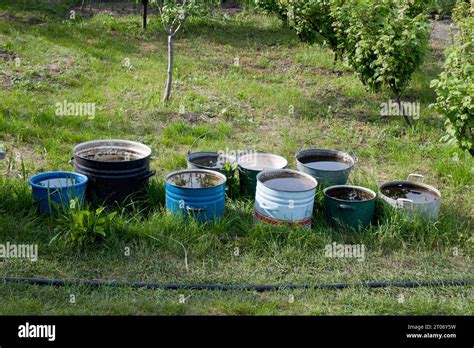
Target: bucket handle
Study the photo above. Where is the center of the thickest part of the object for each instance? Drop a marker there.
(415, 175)
(346, 207)
(401, 202)
(190, 151)
(149, 174)
(267, 207)
(195, 210)
(306, 141)
(351, 152)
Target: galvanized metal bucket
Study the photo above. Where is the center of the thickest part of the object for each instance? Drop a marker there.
(325, 177)
(250, 165)
(204, 203)
(428, 210)
(291, 204)
(349, 212)
(206, 159)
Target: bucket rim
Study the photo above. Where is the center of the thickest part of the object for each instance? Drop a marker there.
(261, 154)
(146, 148)
(189, 158)
(356, 187)
(205, 171)
(291, 171)
(410, 183)
(83, 179)
(301, 154)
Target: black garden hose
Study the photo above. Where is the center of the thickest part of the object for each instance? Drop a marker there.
(226, 287)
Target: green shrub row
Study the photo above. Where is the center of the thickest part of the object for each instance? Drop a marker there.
(384, 41)
(455, 85)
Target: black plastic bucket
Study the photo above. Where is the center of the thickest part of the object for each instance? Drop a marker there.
(115, 168)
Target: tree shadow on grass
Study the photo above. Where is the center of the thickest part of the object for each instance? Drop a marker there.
(239, 34)
(93, 41)
(47, 8)
(334, 104)
(61, 8)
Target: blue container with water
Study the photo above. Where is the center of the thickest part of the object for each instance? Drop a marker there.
(57, 188)
(196, 192)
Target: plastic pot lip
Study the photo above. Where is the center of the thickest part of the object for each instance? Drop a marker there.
(361, 188)
(258, 155)
(290, 171)
(203, 171)
(301, 154)
(146, 149)
(57, 175)
(410, 183)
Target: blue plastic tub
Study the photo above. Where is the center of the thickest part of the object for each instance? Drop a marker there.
(196, 192)
(58, 187)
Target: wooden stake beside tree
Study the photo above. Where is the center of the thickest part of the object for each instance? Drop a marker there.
(145, 13)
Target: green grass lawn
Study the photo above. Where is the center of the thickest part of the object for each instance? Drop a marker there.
(282, 93)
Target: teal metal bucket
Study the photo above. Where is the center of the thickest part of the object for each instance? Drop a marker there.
(334, 169)
(328, 167)
(349, 205)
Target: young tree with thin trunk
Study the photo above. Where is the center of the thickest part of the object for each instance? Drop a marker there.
(174, 14)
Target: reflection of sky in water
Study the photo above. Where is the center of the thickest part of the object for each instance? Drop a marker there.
(416, 194)
(195, 180)
(59, 182)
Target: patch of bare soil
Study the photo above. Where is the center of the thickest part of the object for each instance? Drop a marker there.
(113, 8)
(231, 7)
(192, 117)
(58, 65)
(18, 157)
(6, 55)
(125, 8)
(442, 33)
(327, 71)
(5, 82)
(149, 47)
(25, 19)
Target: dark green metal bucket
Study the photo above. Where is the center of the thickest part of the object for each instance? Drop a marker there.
(348, 205)
(251, 165)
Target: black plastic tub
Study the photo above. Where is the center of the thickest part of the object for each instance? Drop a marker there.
(116, 168)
